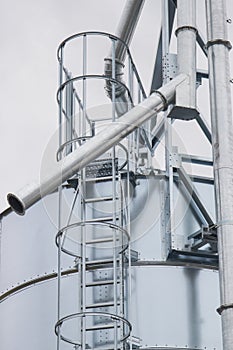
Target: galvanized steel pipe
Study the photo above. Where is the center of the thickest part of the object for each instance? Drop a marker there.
(222, 136)
(124, 32)
(127, 25)
(96, 146)
(186, 58)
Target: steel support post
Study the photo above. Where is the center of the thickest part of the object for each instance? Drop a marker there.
(169, 195)
(222, 140)
(157, 78)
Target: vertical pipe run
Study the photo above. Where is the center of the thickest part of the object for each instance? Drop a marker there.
(186, 58)
(127, 25)
(186, 46)
(125, 31)
(222, 141)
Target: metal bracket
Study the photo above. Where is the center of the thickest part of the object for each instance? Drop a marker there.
(206, 235)
(136, 342)
(201, 74)
(170, 67)
(224, 307)
(134, 255)
(175, 158)
(195, 196)
(100, 168)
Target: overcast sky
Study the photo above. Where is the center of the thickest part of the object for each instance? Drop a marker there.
(30, 33)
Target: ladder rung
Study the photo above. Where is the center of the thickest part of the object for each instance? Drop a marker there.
(106, 348)
(100, 262)
(98, 179)
(101, 326)
(103, 304)
(100, 240)
(100, 283)
(99, 199)
(105, 218)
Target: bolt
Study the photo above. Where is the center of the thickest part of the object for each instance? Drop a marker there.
(231, 80)
(229, 20)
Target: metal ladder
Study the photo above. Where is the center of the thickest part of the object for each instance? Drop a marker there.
(101, 265)
(97, 230)
(100, 242)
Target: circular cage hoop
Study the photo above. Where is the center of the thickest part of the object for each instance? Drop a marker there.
(79, 36)
(124, 234)
(113, 320)
(93, 76)
(78, 140)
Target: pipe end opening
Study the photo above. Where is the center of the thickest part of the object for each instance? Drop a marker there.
(16, 204)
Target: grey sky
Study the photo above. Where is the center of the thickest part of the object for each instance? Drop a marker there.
(30, 34)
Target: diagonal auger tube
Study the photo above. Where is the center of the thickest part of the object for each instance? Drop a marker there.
(96, 146)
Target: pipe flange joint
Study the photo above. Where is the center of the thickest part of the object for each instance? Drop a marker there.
(163, 98)
(219, 42)
(109, 60)
(224, 307)
(182, 28)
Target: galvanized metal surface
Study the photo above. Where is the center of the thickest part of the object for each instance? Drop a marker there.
(186, 32)
(172, 307)
(115, 65)
(96, 146)
(222, 136)
(182, 220)
(127, 24)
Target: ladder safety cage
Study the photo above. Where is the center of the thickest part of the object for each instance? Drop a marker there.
(95, 218)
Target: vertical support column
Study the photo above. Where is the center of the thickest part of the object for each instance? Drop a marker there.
(157, 73)
(83, 196)
(69, 116)
(169, 218)
(222, 136)
(59, 202)
(114, 217)
(186, 32)
(84, 97)
(126, 207)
